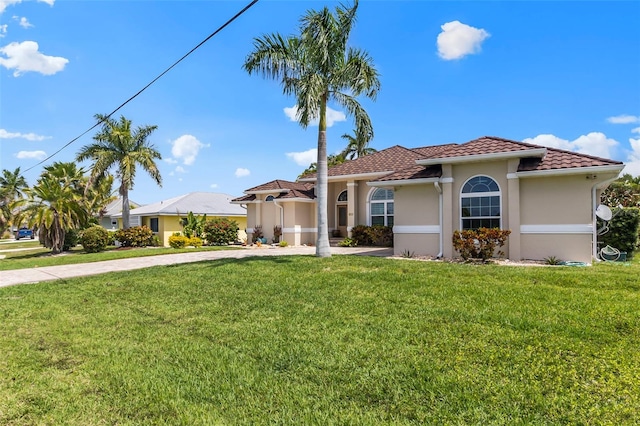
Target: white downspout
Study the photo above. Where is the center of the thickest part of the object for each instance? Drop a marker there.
(275, 203)
(594, 206)
(440, 214)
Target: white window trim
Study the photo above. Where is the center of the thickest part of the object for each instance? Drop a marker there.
(477, 195)
(370, 194)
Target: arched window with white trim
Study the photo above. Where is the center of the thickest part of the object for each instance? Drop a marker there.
(343, 198)
(480, 203)
(381, 207)
(269, 198)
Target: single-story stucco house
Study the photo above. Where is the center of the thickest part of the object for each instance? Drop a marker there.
(547, 197)
(164, 216)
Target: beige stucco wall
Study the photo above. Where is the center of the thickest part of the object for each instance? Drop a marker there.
(416, 244)
(560, 200)
(416, 220)
(576, 247)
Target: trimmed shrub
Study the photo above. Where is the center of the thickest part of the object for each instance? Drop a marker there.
(376, 235)
(94, 239)
(195, 242)
(480, 243)
(178, 241)
(220, 231)
(70, 239)
(283, 244)
(112, 238)
(137, 236)
(623, 230)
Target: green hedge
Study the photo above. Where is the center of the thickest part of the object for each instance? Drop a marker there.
(376, 235)
(624, 230)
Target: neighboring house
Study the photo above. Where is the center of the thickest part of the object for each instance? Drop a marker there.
(546, 197)
(164, 217)
(109, 219)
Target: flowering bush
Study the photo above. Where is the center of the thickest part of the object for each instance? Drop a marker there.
(137, 236)
(220, 231)
(480, 243)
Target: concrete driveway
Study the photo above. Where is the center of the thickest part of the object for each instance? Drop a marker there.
(50, 273)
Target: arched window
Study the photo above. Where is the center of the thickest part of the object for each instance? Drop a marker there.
(480, 203)
(382, 207)
(342, 198)
(269, 198)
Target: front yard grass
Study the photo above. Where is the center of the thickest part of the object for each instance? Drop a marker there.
(40, 256)
(344, 340)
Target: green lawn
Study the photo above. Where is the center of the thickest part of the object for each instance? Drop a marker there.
(40, 256)
(345, 340)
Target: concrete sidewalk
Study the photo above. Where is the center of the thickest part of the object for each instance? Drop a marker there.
(50, 273)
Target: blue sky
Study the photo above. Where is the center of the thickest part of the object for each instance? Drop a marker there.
(563, 74)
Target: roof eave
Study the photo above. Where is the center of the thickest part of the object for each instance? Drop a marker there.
(539, 152)
(358, 176)
(267, 191)
(617, 168)
(403, 182)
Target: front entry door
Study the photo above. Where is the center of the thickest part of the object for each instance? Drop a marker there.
(342, 220)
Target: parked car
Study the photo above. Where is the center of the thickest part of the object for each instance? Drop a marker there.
(24, 233)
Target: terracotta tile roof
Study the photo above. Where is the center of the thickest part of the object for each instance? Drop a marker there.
(414, 172)
(278, 185)
(244, 198)
(294, 193)
(288, 190)
(432, 151)
(386, 160)
(484, 145)
(560, 159)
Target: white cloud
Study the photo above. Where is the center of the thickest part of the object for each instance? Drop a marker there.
(24, 57)
(23, 22)
(624, 119)
(187, 147)
(213, 186)
(594, 143)
(632, 165)
(241, 172)
(636, 130)
(3, 30)
(28, 136)
(333, 116)
(304, 158)
(170, 160)
(458, 40)
(5, 3)
(31, 155)
(180, 169)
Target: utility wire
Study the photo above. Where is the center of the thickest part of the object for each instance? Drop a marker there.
(237, 15)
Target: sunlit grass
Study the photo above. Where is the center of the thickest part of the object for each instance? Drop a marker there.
(345, 340)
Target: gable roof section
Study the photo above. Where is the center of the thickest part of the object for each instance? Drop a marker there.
(413, 172)
(278, 185)
(209, 203)
(284, 188)
(115, 207)
(386, 160)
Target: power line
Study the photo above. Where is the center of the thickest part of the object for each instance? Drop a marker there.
(237, 15)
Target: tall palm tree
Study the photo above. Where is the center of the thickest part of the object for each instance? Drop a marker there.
(316, 67)
(357, 145)
(118, 146)
(55, 203)
(12, 187)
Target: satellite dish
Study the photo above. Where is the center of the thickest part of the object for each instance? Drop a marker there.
(604, 212)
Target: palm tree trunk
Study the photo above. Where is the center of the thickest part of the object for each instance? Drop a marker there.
(124, 192)
(322, 243)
